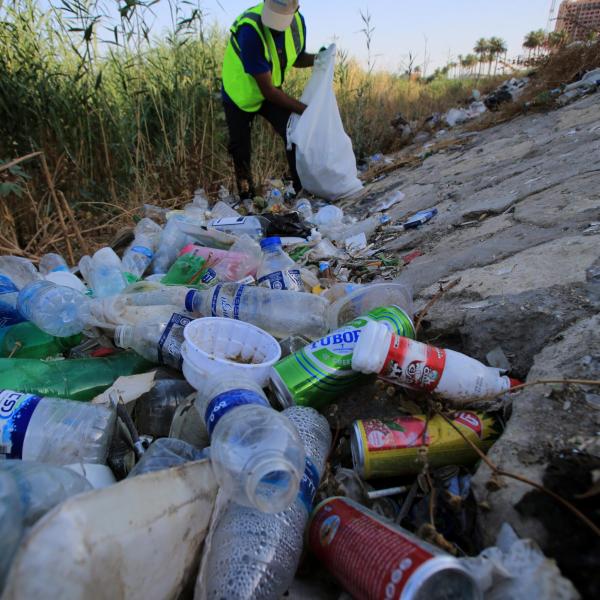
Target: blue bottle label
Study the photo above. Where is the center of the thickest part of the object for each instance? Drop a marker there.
(7, 286)
(189, 300)
(9, 315)
(16, 410)
(169, 345)
(209, 276)
(222, 306)
(277, 280)
(309, 484)
(143, 250)
(220, 405)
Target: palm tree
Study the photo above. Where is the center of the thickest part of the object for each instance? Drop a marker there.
(481, 49)
(557, 39)
(451, 66)
(530, 42)
(497, 48)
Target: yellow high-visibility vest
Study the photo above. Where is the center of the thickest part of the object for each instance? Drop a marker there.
(241, 87)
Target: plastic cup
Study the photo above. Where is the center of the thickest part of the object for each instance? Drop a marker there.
(216, 346)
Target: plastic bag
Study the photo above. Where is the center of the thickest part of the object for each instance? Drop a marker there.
(324, 157)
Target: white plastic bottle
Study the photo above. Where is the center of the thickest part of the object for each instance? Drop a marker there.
(277, 270)
(280, 313)
(139, 255)
(417, 366)
(255, 227)
(304, 207)
(171, 241)
(256, 555)
(54, 431)
(156, 342)
(58, 310)
(256, 454)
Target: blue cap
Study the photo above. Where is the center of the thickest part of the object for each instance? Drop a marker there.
(270, 242)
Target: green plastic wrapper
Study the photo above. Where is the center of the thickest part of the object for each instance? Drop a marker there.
(78, 379)
(190, 270)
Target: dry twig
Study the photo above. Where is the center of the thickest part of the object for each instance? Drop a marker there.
(423, 312)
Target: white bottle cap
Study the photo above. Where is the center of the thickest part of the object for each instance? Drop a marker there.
(372, 348)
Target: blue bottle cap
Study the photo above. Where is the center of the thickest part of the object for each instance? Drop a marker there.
(270, 242)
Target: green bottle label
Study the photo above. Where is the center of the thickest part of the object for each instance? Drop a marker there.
(322, 371)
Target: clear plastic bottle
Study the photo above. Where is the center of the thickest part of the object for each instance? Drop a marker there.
(58, 310)
(156, 342)
(15, 273)
(304, 207)
(26, 340)
(329, 216)
(154, 410)
(50, 263)
(106, 274)
(256, 555)
(280, 313)
(198, 207)
(222, 210)
(277, 270)
(85, 268)
(42, 486)
(255, 227)
(274, 198)
(367, 226)
(11, 523)
(139, 255)
(256, 454)
(164, 454)
(54, 431)
(171, 241)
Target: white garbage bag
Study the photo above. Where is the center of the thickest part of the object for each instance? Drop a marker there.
(324, 157)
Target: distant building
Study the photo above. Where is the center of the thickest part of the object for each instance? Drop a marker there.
(579, 18)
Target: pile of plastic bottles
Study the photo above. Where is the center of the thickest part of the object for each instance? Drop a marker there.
(216, 337)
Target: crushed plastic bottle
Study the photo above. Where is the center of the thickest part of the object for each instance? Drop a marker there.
(255, 227)
(154, 410)
(328, 217)
(256, 454)
(15, 273)
(139, 255)
(256, 555)
(367, 226)
(51, 263)
(172, 240)
(156, 342)
(164, 454)
(56, 309)
(277, 270)
(304, 207)
(106, 275)
(53, 430)
(11, 523)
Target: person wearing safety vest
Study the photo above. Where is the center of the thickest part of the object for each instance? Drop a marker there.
(266, 42)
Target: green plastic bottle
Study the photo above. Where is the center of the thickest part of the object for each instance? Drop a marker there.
(79, 379)
(25, 340)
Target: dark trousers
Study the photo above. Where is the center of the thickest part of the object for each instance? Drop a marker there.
(239, 123)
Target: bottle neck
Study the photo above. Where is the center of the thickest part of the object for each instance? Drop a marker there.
(124, 336)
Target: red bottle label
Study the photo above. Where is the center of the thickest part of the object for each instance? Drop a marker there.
(414, 364)
(369, 558)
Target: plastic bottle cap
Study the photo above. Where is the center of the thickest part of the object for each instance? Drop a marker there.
(122, 334)
(270, 242)
(372, 348)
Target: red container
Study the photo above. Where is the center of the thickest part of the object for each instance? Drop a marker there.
(374, 559)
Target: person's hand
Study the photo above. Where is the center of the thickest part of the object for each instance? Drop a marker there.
(321, 56)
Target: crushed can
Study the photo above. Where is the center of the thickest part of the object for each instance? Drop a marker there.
(393, 447)
(322, 371)
(375, 559)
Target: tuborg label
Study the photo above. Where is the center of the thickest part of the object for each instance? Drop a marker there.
(320, 372)
(16, 410)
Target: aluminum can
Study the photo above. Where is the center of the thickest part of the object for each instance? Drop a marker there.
(322, 371)
(375, 559)
(394, 447)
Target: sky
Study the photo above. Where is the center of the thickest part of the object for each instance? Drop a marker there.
(440, 29)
